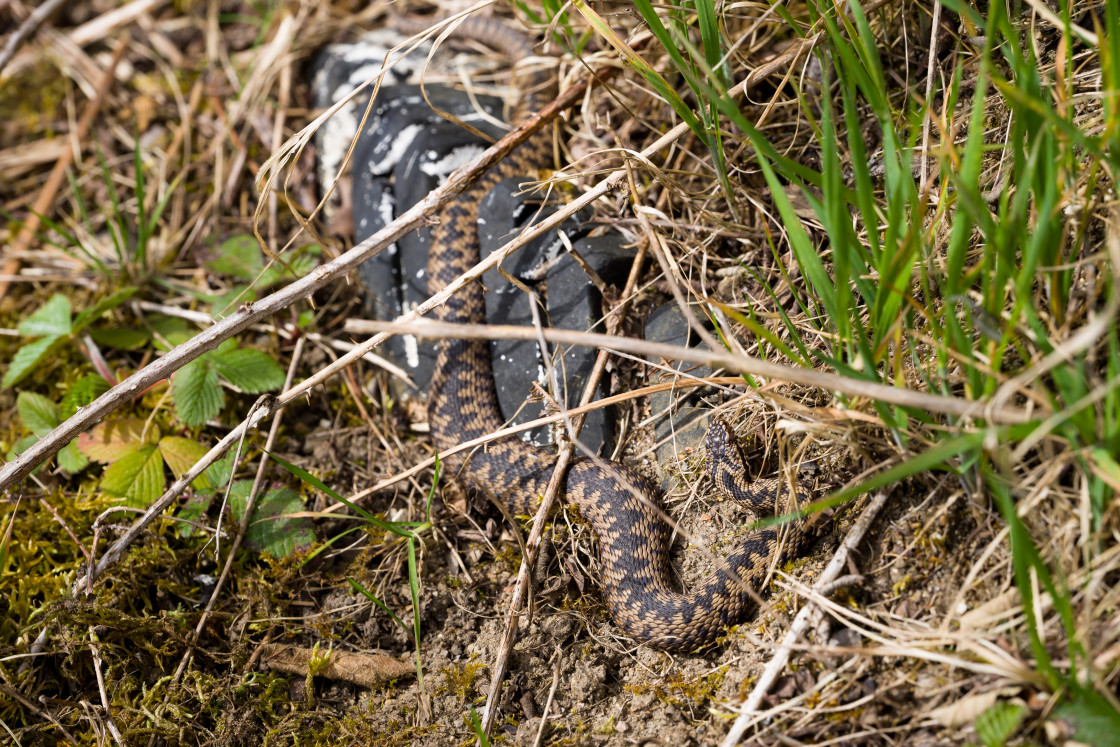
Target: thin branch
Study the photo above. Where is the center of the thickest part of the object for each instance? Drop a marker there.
(744, 364)
(26, 29)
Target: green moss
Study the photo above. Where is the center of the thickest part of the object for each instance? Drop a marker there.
(34, 98)
(509, 557)
(680, 691)
(459, 679)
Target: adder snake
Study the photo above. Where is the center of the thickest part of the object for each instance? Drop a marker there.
(618, 503)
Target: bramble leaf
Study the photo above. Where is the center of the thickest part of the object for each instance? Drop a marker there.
(181, 454)
(192, 510)
(251, 371)
(220, 471)
(269, 531)
(996, 725)
(21, 446)
(39, 414)
(81, 393)
(138, 477)
(197, 394)
(70, 459)
(1093, 718)
(51, 320)
(28, 357)
(115, 439)
(238, 256)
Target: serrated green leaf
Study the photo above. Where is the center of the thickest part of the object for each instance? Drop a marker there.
(1092, 717)
(52, 319)
(251, 371)
(39, 414)
(196, 392)
(224, 347)
(138, 477)
(70, 459)
(27, 358)
(81, 393)
(181, 454)
(112, 301)
(269, 531)
(126, 338)
(996, 724)
(238, 256)
(115, 439)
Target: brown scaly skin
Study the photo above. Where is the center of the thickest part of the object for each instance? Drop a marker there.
(634, 541)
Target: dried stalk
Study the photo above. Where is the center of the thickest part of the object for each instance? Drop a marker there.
(745, 364)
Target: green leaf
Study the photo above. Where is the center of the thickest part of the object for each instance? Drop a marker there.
(111, 301)
(138, 477)
(226, 303)
(238, 256)
(82, 392)
(27, 358)
(21, 446)
(1092, 717)
(70, 459)
(269, 531)
(996, 725)
(167, 332)
(125, 338)
(51, 320)
(396, 528)
(1107, 464)
(39, 414)
(220, 471)
(476, 727)
(192, 510)
(181, 454)
(251, 371)
(197, 394)
(295, 267)
(115, 439)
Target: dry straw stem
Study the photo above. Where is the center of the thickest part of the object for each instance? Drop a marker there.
(801, 623)
(27, 28)
(740, 363)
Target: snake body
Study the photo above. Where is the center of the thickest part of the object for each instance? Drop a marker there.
(619, 504)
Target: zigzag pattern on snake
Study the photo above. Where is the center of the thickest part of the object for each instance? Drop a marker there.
(634, 542)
